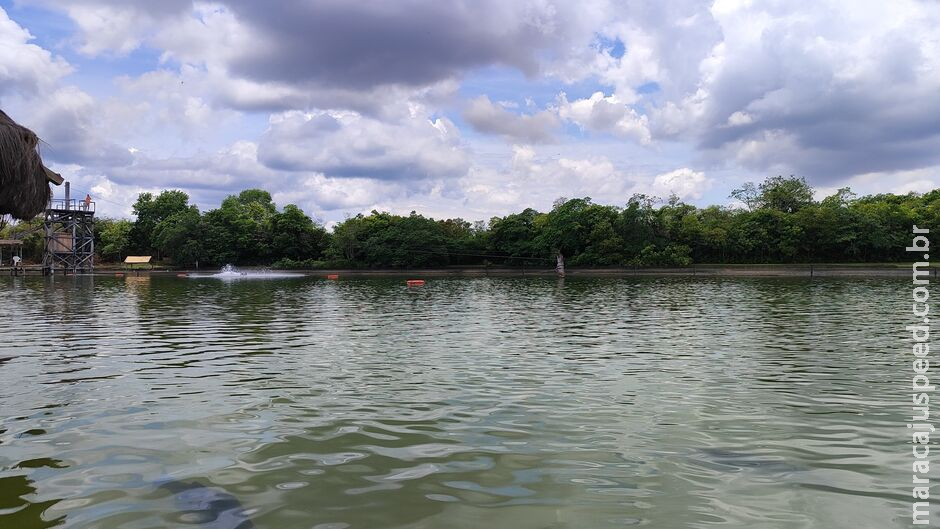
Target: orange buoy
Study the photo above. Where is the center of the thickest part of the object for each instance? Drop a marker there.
(332, 276)
(119, 274)
(415, 282)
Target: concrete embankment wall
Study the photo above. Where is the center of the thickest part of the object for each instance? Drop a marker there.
(852, 270)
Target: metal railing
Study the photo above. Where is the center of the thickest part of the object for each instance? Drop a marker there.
(71, 204)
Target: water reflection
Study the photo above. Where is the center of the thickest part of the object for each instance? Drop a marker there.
(206, 506)
(20, 506)
(301, 402)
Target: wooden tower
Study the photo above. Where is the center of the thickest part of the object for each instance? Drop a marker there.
(70, 235)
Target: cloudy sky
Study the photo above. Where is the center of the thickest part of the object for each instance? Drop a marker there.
(473, 108)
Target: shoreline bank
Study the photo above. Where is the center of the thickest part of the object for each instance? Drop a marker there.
(774, 270)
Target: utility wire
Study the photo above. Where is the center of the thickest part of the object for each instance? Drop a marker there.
(483, 255)
(97, 199)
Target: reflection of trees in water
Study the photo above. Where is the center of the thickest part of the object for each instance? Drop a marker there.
(19, 509)
(395, 473)
(57, 304)
(206, 307)
(196, 503)
(67, 298)
(58, 315)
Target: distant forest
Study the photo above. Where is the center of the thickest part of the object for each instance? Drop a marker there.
(778, 222)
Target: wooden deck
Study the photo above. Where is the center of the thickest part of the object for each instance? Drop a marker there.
(31, 270)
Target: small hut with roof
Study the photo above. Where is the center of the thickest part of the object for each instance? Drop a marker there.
(24, 179)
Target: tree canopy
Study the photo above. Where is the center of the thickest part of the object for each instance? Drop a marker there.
(779, 221)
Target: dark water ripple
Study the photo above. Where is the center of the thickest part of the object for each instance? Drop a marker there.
(486, 403)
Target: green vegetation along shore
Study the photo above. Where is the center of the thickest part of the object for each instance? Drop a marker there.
(778, 222)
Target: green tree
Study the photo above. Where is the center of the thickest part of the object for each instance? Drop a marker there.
(178, 236)
(884, 224)
(346, 244)
(713, 244)
(382, 240)
(639, 225)
(788, 195)
(295, 235)
(781, 224)
(32, 234)
(217, 239)
(514, 236)
(244, 221)
(563, 231)
(406, 242)
(749, 195)
(115, 238)
(150, 211)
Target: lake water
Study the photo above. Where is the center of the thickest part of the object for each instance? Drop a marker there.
(151, 402)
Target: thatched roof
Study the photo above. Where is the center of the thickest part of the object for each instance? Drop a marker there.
(24, 180)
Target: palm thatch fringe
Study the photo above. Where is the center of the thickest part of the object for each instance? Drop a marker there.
(24, 180)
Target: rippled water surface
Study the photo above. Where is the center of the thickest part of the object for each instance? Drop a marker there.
(665, 403)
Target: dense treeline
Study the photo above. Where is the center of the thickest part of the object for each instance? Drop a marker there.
(245, 229)
(779, 222)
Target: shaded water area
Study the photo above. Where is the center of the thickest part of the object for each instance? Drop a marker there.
(144, 402)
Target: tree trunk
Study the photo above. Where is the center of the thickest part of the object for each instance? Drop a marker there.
(560, 266)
